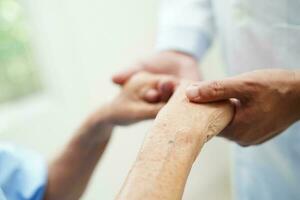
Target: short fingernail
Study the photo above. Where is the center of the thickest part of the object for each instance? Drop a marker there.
(192, 92)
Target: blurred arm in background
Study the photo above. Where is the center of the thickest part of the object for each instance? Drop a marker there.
(70, 172)
(186, 30)
(23, 173)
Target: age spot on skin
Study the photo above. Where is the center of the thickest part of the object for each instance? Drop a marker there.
(171, 142)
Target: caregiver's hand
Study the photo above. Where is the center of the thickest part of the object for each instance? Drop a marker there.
(266, 102)
(130, 105)
(173, 63)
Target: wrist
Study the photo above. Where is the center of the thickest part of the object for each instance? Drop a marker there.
(181, 57)
(98, 125)
(182, 54)
(104, 115)
(185, 141)
(181, 131)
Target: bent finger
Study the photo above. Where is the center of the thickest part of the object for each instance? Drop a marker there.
(122, 77)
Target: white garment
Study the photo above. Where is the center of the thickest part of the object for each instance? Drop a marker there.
(254, 34)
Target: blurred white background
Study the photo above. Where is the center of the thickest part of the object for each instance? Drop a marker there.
(78, 45)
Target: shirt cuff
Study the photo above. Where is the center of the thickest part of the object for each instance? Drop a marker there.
(192, 42)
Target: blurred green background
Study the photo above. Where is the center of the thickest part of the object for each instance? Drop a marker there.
(18, 72)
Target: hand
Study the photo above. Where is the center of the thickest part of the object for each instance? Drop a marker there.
(196, 120)
(266, 103)
(173, 63)
(130, 105)
(169, 150)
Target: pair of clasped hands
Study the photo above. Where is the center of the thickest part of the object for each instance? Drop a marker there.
(248, 109)
(267, 98)
(144, 95)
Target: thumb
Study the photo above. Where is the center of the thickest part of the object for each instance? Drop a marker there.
(122, 77)
(208, 91)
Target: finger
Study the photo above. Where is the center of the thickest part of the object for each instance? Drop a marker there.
(122, 77)
(152, 96)
(238, 129)
(155, 88)
(229, 132)
(151, 110)
(209, 91)
(166, 88)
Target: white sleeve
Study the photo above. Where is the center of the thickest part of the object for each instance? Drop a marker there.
(185, 25)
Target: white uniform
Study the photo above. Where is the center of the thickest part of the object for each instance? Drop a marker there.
(254, 34)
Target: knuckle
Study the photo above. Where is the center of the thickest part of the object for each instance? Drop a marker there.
(136, 78)
(141, 77)
(217, 87)
(253, 86)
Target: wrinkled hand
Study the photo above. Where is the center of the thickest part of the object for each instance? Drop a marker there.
(204, 120)
(266, 103)
(172, 63)
(130, 105)
(170, 148)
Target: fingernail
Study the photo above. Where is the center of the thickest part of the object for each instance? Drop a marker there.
(192, 92)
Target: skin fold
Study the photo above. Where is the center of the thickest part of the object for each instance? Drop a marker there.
(70, 172)
(171, 147)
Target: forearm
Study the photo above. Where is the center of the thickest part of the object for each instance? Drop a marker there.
(165, 160)
(70, 172)
(163, 165)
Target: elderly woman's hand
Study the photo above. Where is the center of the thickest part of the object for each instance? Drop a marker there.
(170, 148)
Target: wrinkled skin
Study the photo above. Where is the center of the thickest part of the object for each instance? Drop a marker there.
(170, 148)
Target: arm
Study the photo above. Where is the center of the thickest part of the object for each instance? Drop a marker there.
(179, 132)
(70, 172)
